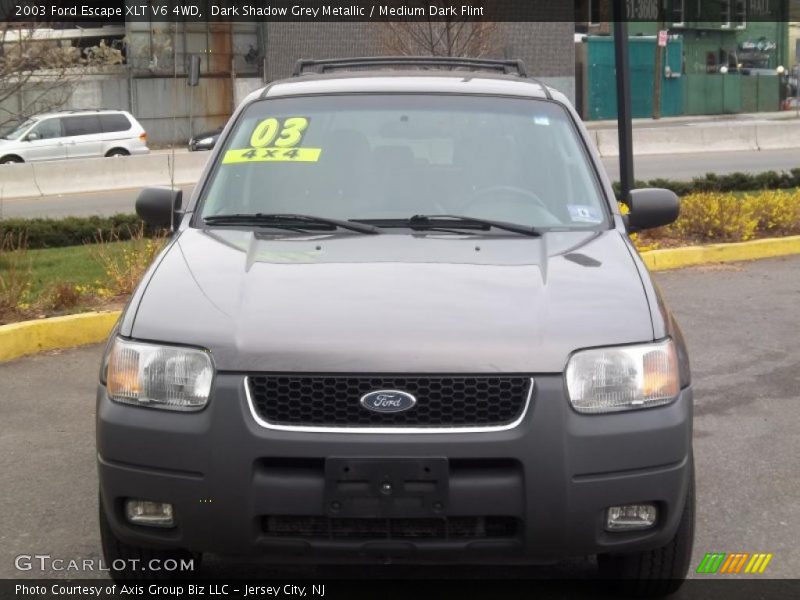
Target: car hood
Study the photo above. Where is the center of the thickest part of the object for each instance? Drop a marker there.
(8, 144)
(394, 302)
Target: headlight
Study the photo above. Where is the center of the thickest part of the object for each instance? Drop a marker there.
(206, 141)
(605, 380)
(168, 377)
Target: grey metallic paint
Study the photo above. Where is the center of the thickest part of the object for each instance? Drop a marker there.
(395, 302)
(399, 303)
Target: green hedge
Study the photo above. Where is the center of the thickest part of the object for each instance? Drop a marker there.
(72, 231)
(734, 182)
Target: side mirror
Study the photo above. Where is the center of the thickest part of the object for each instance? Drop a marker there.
(32, 137)
(650, 208)
(160, 206)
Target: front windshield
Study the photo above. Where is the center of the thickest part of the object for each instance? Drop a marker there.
(387, 157)
(14, 131)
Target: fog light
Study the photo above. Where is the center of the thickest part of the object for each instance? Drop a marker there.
(149, 514)
(630, 517)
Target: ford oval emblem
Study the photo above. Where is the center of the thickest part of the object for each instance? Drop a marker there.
(388, 401)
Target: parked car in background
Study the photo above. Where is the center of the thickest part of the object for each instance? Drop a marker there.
(204, 141)
(74, 134)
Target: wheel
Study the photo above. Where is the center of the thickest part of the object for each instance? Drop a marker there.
(117, 152)
(131, 563)
(657, 572)
(7, 160)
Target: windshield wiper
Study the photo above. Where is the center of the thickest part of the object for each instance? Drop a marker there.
(287, 221)
(429, 222)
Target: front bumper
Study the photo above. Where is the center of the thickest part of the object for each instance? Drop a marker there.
(556, 473)
(138, 149)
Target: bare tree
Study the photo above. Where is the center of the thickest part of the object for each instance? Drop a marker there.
(443, 36)
(38, 71)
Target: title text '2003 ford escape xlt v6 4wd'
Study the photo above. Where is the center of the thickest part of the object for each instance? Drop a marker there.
(400, 319)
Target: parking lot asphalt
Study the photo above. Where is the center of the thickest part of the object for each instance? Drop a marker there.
(742, 324)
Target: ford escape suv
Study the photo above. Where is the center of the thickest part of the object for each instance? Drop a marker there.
(400, 320)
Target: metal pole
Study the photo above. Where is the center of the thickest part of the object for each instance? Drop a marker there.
(758, 92)
(191, 112)
(624, 125)
(658, 66)
(233, 84)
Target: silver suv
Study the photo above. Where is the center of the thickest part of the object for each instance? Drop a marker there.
(74, 134)
(401, 320)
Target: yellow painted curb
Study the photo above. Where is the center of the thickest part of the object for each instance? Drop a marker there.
(675, 258)
(30, 337)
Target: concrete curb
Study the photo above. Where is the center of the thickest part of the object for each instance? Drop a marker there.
(31, 337)
(707, 138)
(88, 175)
(676, 258)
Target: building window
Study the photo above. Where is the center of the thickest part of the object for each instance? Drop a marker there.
(678, 13)
(740, 14)
(594, 12)
(725, 13)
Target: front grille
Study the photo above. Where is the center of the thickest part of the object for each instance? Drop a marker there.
(391, 529)
(442, 401)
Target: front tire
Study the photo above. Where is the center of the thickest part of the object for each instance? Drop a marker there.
(137, 559)
(660, 571)
(9, 160)
(117, 152)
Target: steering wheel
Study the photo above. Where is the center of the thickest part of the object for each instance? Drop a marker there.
(523, 200)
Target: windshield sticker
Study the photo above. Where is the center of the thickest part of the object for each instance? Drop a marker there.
(580, 213)
(271, 155)
(275, 140)
(541, 120)
(289, 133)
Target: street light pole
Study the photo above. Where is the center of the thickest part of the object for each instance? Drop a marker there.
(624, 124)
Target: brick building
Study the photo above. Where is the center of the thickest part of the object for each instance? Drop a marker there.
(546, 48)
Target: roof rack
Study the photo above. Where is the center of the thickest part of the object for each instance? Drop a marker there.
(508, 66)
(320, 66)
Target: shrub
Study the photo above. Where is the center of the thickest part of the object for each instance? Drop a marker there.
(74, 231)
(125, 269)
(61, 295)
(15, 272)
(778, 212)
(715, 217)
(733, 182)
(726, 217)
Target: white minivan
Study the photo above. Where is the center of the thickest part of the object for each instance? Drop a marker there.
(74, 134)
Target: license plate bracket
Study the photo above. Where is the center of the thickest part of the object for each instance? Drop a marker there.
(386, 487)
